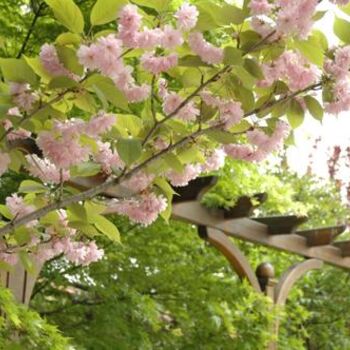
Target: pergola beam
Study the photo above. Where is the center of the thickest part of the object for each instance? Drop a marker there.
(256, 232)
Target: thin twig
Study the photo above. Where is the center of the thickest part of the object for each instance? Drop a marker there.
(30, 30)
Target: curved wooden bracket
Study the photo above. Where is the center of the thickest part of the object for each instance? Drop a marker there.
(291, 276)
(236, 258)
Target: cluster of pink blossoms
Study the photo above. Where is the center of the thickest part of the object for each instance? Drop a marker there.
(53, 243)
(22, 96)
(291, 67)
(77, 252)
(43, 169)
(261, 144)
(172, 102)
(62, 145)
(338, 71)
(108, 159)
(143, 210)
(213, 162)
(51, 62)
(206, 51)
(106, 56)
(18, 208)
(231, 112)
(283, 17)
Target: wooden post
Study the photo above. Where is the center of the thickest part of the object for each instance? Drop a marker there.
(20, 282)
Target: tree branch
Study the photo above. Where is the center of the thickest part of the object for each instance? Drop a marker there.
(30, 30)
(92, 192)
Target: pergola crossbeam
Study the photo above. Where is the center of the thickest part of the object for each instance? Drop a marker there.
(253, 231)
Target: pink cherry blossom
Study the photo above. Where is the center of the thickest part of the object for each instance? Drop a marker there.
(45, 170)
(5, 160)
(187, 16)
(144, 210)
(171, 37)
(138, 182)
(51, 62)
(148, 38)
(180, 179)
(100, 124)
(293, 68)
(15, 134)
(206, 51)
(260, 7)
(88, 56)
(295, 17)
(158, 64)
(238, 151)
(136, 93)
(171, 103)
(231, 113)
(129, 18)
(18, 208)
(108, 158)
(215, 161)
(61, 145)
(341, 97)
(22, 96)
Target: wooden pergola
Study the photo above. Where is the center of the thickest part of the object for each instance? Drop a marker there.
(216, 226)
(316, 246)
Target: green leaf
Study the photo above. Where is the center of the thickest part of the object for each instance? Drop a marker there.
(129, 150)
(232, 56)
(76, 212)
(17, 70)
(22, 235)
(191, 155)
(229, 14)
(105, 11)
(314, 107)
(253, 68)
(5, 212)
(311, 49)
(37, 67)
(93, 208)
(68, 14)
(51, 218)
(295, 114)
(68, 38)
(62, 83)
(30, 186)
(191, 77)
(173, 162)
(192, 61)
(129, 124)
(26, 261)
(109, 90)
(87, 229)
(85, 102)
(223, 137)
(168, 192)
(342, 29)
(107, 227)
(159, 5)
(69, 59)
(85, 169)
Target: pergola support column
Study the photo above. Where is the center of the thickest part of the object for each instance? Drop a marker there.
(263, 280)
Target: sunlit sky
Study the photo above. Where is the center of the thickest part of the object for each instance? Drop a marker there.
(333, 130)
